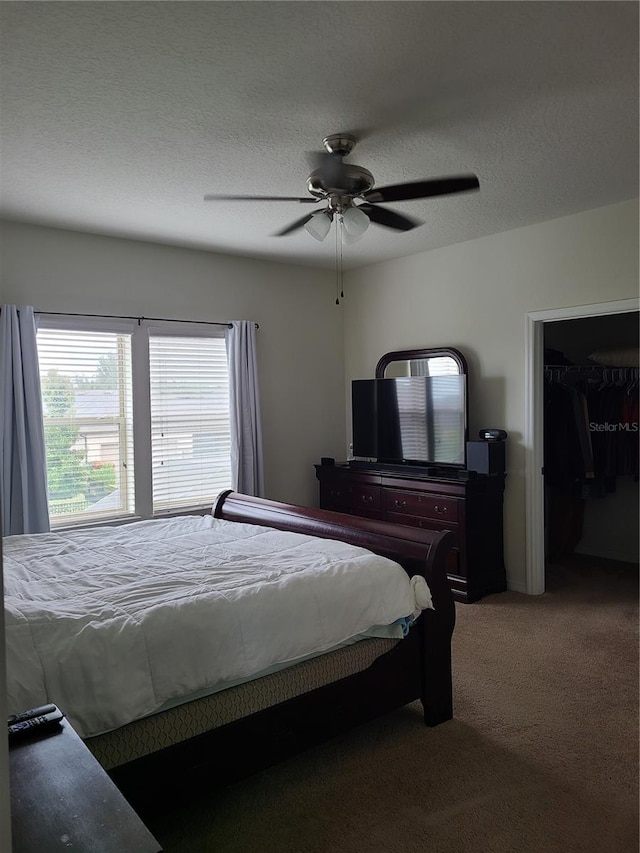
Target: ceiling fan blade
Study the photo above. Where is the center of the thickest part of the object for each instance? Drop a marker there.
(389, 218)
(294, 225)
(422, 189)
(212, 197)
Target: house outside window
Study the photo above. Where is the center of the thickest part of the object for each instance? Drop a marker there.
(136, 419)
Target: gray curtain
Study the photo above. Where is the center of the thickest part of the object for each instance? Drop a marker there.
(23, 470)
(246, 428)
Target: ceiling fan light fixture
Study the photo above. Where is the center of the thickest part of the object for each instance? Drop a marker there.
(348, 238)
(355, 222)
(319, 224)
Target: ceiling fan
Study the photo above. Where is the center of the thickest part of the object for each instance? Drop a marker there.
(341, 184)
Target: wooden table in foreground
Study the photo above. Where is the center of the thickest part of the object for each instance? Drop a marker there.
(62, 800)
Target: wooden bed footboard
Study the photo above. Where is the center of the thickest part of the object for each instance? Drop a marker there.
(418, 667)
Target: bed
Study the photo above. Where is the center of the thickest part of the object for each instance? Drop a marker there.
(366, 628)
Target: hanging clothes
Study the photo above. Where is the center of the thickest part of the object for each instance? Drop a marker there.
(568, 455)
(565, 462)
(602, 407)
(591, 439)
(613, 419)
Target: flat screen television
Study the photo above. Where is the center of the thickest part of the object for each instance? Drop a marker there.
(420, 420)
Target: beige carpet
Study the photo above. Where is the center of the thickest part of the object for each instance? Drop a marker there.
(542, 754)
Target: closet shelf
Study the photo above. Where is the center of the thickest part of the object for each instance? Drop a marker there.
(590, 373)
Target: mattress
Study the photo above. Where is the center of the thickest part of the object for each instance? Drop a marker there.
(158, 731)
(113, 624)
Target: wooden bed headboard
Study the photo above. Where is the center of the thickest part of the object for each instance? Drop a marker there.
(420, 550)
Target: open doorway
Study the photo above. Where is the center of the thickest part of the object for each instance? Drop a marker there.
(591, 506)
(534, 423)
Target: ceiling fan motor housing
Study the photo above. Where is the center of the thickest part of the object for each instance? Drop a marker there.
(353, 181)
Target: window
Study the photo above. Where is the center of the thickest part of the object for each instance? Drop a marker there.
(190, 432)
(88, 423)
(105, 391)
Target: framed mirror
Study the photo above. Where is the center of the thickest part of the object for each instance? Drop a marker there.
(446, 361)
(415, 410)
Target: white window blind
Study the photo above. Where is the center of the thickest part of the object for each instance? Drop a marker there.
(448, 408)
(87, 407)
(431, 418)
(442, 366)
(190, 429)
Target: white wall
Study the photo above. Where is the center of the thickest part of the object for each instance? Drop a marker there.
(475, 296)
(300, 341)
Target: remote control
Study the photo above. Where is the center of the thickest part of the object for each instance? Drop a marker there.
(36, 725)
(29, 715)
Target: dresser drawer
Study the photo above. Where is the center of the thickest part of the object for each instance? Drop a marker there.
(422, 505)
(334, 496)
(365, 498)
(435, 524)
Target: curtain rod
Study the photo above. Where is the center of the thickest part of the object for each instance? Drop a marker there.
(131, 317)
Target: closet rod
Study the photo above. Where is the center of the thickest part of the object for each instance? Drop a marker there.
(586, 368)
(596, 372)
(131, 317)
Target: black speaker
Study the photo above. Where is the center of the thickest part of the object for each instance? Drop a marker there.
(486, 457)
(492, 434)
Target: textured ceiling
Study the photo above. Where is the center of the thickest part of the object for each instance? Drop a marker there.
(118, 117)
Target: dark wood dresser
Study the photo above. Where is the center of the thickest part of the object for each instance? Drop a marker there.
(471, 508)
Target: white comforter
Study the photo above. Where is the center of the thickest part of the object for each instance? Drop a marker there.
(111, 624)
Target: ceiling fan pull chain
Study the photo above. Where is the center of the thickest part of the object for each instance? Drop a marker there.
(341, 266)
(337, 230)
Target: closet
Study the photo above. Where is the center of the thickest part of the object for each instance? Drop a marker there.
(591, 438)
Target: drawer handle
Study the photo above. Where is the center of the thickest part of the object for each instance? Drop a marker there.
(334, 493)
(441, 510)
(401, 504)
(367, 499)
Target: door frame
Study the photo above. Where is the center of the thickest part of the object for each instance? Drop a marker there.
(534, 426)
